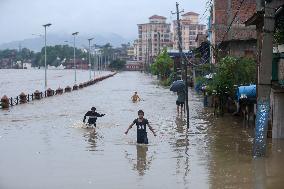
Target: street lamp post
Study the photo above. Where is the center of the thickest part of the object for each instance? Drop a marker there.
(90, 64)
(75, 67)
(45, 66)
(95, 63)
(99, 63)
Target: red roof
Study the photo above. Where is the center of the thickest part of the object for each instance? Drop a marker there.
(190, 13)
(158, 17)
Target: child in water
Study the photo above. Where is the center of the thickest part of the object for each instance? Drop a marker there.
(141, 124)
(135, 97)
(93, 115)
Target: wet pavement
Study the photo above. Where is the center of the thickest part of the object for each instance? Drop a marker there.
(45, 145)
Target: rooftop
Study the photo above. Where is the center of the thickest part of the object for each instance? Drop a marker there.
(191, 14)
(158, 17)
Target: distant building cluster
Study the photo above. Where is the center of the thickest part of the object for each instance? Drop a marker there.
(158, 34)
(224, 34)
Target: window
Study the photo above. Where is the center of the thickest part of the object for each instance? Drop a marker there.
(192, 33)
(192, 27)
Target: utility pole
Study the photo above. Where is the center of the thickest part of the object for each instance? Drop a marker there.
(184, 64)
(264, 79)
(99, 61)
(95, 63)
(45, 66)
(105, 65)
(75, 66)
(90, 64)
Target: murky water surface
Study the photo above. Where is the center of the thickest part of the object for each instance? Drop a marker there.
(13, 82)
(44, 144)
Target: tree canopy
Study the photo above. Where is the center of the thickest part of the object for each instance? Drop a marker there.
(232, 71)
(117, 64)
(162, 65)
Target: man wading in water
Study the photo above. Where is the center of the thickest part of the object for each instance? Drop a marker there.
(93, 115)
(141, 124)
(135, 97)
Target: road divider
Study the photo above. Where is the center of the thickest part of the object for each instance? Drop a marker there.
(7, 102)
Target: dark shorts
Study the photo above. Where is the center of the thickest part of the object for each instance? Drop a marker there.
(179, 103)
(142, 138)
(92, 122)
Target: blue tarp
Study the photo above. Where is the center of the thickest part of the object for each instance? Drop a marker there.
(246, 92)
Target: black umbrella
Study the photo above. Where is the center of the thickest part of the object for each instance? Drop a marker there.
(178, 86)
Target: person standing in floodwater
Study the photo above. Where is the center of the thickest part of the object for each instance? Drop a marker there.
(141, 124)
(180, 102)
(135, 97)
(93, 115)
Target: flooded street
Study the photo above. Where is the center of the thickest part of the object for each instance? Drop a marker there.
(13, 81)
(44, 144)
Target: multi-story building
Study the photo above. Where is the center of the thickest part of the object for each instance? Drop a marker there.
(130, 53)
(136, 49)
(153, 37)
(190, 28)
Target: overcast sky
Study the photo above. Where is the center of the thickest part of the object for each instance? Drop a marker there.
(20, 18)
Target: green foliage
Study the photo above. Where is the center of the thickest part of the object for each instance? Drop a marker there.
(232, 71)
(166, 82)
(279, 31)
(201, 79)
(117, 64)
(55, 55)
(279, 36)
(58, 53)
(107, 49)
(162, 65)
(204, 69)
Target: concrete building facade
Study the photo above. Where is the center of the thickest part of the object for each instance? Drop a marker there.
(190, 28)
(228, 31)
(153, 37)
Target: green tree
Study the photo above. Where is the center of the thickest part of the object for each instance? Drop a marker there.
(117, 64)
(231, 71)
(57, 53)
(163, 65)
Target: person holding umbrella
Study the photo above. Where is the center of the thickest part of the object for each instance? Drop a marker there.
(180, 102)
(179, 87)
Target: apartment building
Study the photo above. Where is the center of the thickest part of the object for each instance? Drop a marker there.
(190, 28)
(153, 37)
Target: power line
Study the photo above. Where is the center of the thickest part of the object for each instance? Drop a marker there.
(236, 14)
(207, 8)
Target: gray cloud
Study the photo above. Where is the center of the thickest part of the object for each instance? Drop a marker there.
(20, 18)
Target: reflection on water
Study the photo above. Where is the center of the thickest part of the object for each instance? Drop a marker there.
(46, 145)
(141, 163)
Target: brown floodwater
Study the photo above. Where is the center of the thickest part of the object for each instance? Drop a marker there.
(44, 144)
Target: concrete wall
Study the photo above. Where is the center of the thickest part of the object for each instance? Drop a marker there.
(242, 48)
(277, 114)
